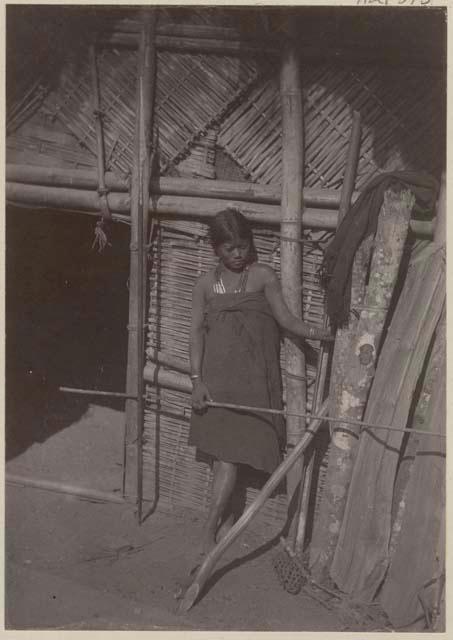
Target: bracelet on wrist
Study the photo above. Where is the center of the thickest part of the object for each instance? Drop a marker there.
(195, 376)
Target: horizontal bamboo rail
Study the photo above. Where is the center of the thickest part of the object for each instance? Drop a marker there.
(62, 487)
(190, 44)
(129, 25)
(226, 44)
(223, 189)
(87, 202)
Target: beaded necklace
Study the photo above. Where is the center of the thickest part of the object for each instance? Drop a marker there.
(219, 286)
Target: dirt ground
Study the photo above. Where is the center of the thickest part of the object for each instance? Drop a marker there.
(77, 564)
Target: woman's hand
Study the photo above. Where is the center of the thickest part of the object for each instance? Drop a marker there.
(312, 332)
(200, 395)
(288, 321)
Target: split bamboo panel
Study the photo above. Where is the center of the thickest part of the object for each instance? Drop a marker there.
(362, 554)
(402, 116)
(193, 93)
(180, 253)
(401, 129)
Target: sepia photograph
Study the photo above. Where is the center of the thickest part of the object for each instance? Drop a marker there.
(225, 290)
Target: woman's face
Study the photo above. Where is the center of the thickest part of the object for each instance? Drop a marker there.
(234, 255)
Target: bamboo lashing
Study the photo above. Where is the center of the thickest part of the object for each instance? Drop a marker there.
(214, 555)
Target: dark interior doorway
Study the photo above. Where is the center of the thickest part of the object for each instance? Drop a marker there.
(65, 319)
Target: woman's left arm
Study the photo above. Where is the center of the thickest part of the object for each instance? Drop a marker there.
(284, 317)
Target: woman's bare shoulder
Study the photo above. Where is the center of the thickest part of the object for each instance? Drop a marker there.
(205, 281)
(263, 273)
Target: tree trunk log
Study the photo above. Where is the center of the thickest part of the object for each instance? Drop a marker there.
(355, 367)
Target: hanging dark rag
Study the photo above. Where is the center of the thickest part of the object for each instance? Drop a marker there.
(360, 222)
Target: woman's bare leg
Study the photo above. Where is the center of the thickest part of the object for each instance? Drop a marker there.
(225, 474)
(223, 483)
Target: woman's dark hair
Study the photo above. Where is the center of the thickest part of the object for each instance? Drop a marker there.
(230, 226)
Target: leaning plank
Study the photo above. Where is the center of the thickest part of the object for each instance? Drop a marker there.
(361, 556)
(354, 366)
(418, 558)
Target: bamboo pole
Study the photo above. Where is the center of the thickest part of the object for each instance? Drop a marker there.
(62, 487)
(268, 47)
(192, 44)
(86, 201)
(100, 156)
(139, 212)
(291, 254)
(215, 554)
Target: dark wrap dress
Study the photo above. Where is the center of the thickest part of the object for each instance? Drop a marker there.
(241, 365)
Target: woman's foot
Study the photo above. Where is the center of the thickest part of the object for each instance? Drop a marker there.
(183, 584)
(225, 527)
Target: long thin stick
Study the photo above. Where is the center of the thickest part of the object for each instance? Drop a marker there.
(241, 407)
(61, 487)
(96, 392)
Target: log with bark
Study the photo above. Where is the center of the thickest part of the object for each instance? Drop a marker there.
(354, 366)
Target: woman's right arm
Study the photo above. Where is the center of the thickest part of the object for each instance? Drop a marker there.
(200, 393)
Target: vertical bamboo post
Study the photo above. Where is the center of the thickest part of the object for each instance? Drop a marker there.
(102, 189)
(352, 161)
(137, 279)
(291, 258)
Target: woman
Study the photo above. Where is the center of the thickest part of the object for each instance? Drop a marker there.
(234, 357)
